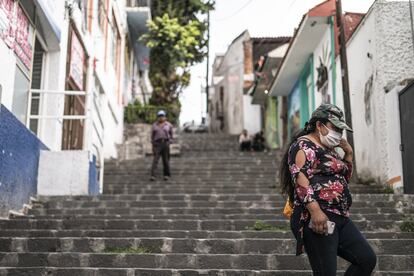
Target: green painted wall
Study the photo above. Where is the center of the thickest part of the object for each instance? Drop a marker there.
(271, 124)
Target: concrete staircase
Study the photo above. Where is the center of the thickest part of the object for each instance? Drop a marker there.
(221, 214)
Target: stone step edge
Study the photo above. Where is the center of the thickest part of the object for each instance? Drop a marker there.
(182, 270)
(187, 239)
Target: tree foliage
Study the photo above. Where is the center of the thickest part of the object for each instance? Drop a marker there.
(177, 39)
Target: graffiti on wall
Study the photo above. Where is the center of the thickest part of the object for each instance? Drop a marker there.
(294, 111)
(367, 99)
(322, 71)
(271, 132)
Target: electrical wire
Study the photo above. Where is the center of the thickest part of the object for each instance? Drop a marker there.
(238, 11)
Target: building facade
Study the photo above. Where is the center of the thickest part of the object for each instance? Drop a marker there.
(68, 68)
(380, 53)
(310, 73)
(232, 108)
(380, 72)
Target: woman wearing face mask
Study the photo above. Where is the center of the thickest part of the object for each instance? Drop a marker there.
(315, 177)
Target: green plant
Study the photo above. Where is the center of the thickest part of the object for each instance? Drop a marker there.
(388, 190)
(130, 250)
(138, 113)
(407, 225)
(366, 180)
(177, 39)
(262, 226)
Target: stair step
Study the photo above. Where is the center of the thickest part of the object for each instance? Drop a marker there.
(87, 271)
(169, 224)
(185, 261)
(177, 245)
(200, 222)
(371, 217)
(189, 234)
(380, 198)
(218, 203)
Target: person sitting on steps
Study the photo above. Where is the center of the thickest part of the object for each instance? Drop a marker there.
(245, 141)
(259, 142)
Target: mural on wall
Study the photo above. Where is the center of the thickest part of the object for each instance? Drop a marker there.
(271, 134)
(322, 71)
(294, 111)
(367, 99)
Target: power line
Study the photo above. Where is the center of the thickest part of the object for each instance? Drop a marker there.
(291, 6)
(234, 14)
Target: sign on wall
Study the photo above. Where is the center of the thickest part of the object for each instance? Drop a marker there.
(6, 22)
(23, 38)
(17, 31)
(77, 59)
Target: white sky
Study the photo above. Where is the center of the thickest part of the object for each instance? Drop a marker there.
(263, 18)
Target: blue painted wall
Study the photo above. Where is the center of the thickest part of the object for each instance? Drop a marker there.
(19, 160)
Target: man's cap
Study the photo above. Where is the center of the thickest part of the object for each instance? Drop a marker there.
(333, 114)
(161, 113)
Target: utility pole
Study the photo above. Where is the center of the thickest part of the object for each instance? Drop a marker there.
(208, 61)
(345, 77)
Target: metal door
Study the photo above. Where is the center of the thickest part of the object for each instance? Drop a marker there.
(406, 99)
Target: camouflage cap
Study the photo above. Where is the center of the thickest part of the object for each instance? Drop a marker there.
(333, 113)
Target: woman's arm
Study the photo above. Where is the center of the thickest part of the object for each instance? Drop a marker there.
(305, 192)
(348, 157)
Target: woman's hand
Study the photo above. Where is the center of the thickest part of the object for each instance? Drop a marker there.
(349, 152)
(318, 218)
(345, 146)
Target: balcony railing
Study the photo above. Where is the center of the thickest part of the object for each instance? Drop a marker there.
(138, 3)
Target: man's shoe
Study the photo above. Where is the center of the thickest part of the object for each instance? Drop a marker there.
(166, 178)
(152, 178)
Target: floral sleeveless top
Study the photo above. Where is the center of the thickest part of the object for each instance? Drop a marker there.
(328, 176)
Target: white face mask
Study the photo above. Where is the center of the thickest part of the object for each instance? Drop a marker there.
(332, 139)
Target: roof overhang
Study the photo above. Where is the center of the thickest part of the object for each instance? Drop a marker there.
(48, 24)
(270, 67)
(261, 92)
(307, 38)
(137, 18)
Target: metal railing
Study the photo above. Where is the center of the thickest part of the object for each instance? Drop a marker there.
(41, 92)
(90, 109)
(92, 117)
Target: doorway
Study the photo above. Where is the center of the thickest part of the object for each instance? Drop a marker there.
(406, 99)
(73, 129)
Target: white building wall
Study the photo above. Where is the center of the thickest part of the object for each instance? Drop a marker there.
(366, 128)
(252, 118)
(338, 84)
(382, 49)
(7, 71)
(234, 88)
(239, 113)
(110, 106)
(233, 69)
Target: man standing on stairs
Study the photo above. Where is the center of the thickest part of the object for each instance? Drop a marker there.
(161, 137)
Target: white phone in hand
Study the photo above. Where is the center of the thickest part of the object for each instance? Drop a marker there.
(330, 227)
